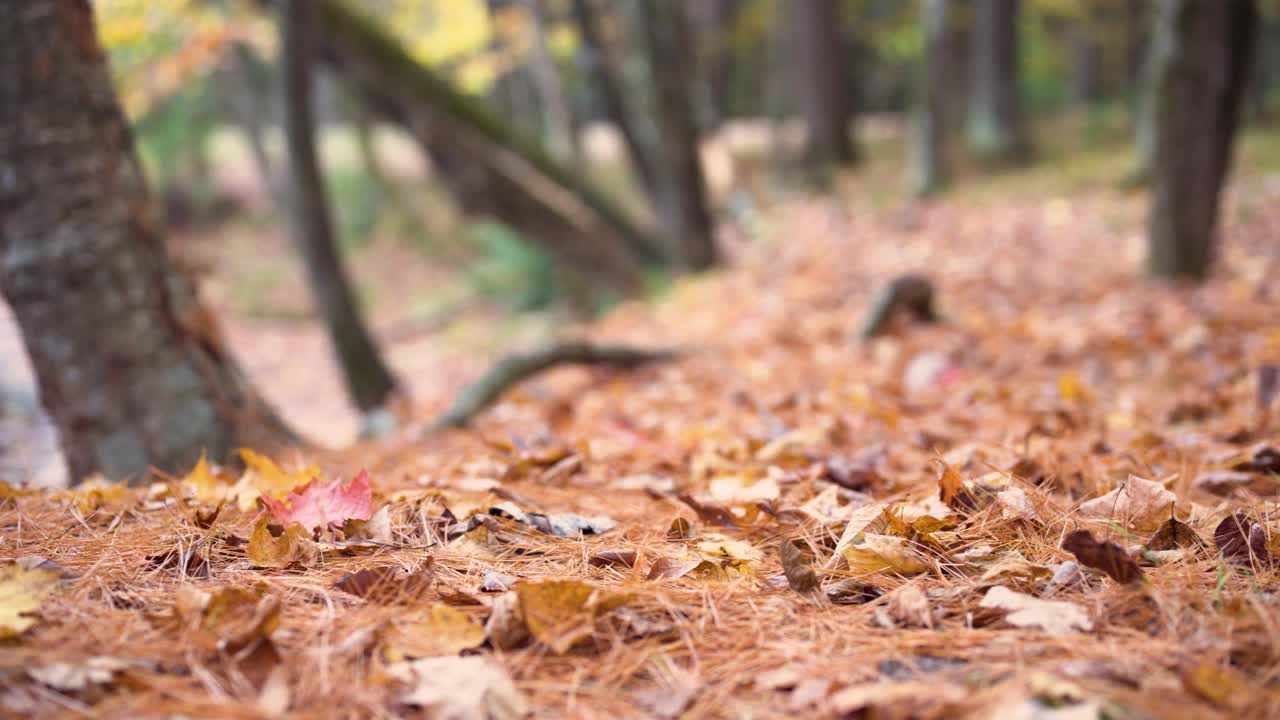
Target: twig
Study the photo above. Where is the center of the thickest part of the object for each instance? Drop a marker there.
(516, 367)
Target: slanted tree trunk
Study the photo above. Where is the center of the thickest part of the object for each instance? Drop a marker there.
(996, 131)
(368, 381)
(1200, 74)
(825, 85)
(557, 118)
(683, 202)
(489, 167)
(928, 170)
(130, 366)
(607, 82)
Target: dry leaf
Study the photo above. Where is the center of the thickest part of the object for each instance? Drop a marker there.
(885, 553)
(505, 627)
(1240, 540)
(317, 504)
(207, 486)
(737, 552)
(909, 607)
(388, 583)
(1226, 482)
(680, 529)
(860, 520)
(613, 557)
(230, 618)
(1105, 556)
(797, 564)
(738, 490)
(293, 546)
(74, 677)
(459, 688)
(560, 613)
(1137, 504)
(666, 568)
(441, 630)
(22, 592)
(1174, 535)
(1015, 504)
(264, 478)
(1219, 685)
(1052, 616)
(1013, 566)
(560, 525)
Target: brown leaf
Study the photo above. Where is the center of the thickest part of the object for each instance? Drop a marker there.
(1173, 535)
(797, 563)
(388, 583)
(1105, 556)
(1218, 685)
(560, 613)
(613, 557)
(294, 545)
(708, 512)
(442, 630)
(909, 607)
(680, 529)
(1240, 540)
(505, 627)
(186, 561)
(1265, 460)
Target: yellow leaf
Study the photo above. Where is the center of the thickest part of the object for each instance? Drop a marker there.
(265, 477)
(1071, 389)
(294, 546)
(880, 553)
(22, 592)
(1219, 685)
(93, 493)
(737, 551)
(560, 613)
(443, 631)
(207, 487)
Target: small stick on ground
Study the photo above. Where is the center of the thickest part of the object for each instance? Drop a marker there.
(913, 293)
(516, 367)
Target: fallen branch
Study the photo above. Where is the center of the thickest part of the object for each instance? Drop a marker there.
(913, 293)
(516, 367)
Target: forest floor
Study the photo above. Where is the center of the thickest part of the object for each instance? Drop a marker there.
(1058, 503)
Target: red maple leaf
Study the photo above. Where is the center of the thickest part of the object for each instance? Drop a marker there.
(316, 504)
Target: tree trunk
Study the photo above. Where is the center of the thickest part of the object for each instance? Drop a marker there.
(684, 197)
(369, 383)
(1086, 61)
(1205, 51)
(928, 169)
(716, 19)
(487, 165)
(996, 132)
(130, 367)
(608, 84)
(825, 86)
(557, 117)
(252, 103)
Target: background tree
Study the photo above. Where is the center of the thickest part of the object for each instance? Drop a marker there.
(368, 381)
(557, 114)
(927, 169)
(826, 85)
(1204, 51)
(996, 130)
(130, 368)
(683, 200)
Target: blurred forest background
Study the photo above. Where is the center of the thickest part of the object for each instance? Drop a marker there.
(497, 170)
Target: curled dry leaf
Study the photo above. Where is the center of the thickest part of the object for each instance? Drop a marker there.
(1175, 535)
(908, 606)
(441, 630)
(1240, 540)
(264, 478)
(560, 613)
(1139, 504)
(1012, 567)
(388, 583)
(613, 557)
(680, 529)
(459, 688)
(669, 568)
(860, 520)
(560, 525)
(318, 504)
(885, 553)
(505, 627)
(852, 592)
(797, 564)
(1105, 556)
(737, 552)
(228, 619)
(1015, 504)
(22, 592)
(1052, 616)
(709, 512)
(293, 546)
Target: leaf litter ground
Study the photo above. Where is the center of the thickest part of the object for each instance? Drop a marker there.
(1058, 503)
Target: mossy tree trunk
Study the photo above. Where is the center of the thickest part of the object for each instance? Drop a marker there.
(489, 167)
(683, 201)
(997, 133)
(369, 382)
(1200, 74)
(130, 366)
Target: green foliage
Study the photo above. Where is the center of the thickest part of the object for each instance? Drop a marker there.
(173, 136)
(358, 204)
(1044, 54)
(511, 270)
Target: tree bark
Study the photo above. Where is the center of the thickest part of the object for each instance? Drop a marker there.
(996, 131)
(928, 169)
(607, 82)
(557, 117)
(825, 86)
(684, 198)
(1201, 68)
(488, 166)
(716, 19)
(1086, 61)
(130, 367)
(368, 381)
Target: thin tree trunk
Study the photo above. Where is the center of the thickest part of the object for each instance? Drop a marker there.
(996, 131)
(1086, 61)
(928, 169)
(557, 117)
(684, 198)
(369, 383)
(607, 82)
(1200, 74)
(717, 20)
(252, 110)
(487, 164)
(130, 366)
(827, 101)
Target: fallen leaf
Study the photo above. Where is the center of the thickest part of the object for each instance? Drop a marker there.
(860, 520)
(1138, 504)
(1265, 459)
(441, 630)
(708, 512)
(207, 486)
(666, 568)
(680, 529)
(1015, 504)
(1053, 616)
(1173, 535)
(74, 677)
(613, 557)
(1105, 556)
(293, 546)
(797, 564)
(497, 582)
(22, 593)
(852, 592)
(738, 552)
(230, 618)
(459, 688)
(1013, 566)
(738, 490)
(1240, 540)
(1226, 482)
(560, 613)
(560, 525)
(909, 607)
(264, 478)
(881, 553)
(906, 700)
(318, 504)
(388, 583)
(505, 627)
(1217, 684)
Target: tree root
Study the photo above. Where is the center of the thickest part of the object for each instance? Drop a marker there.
(516, 367)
